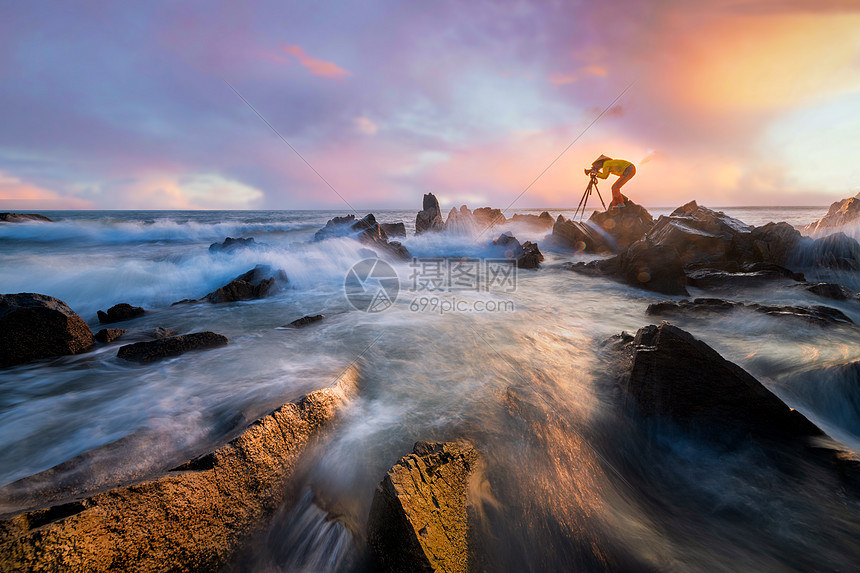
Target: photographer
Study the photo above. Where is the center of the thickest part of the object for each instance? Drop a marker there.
(625, 170)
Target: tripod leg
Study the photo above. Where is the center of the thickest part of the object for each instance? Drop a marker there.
(582, 202)
(601, 197)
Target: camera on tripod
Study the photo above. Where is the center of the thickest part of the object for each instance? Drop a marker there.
(592, 186)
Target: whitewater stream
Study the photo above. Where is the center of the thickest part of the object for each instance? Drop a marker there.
(570, 484)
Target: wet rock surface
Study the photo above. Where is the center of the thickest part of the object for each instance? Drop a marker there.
(656, 268)
(419, 516)
(831, 291)
(542, 222)
(194, 518)
(231, 245)
(486, 217)
(34, 326)
(106, 335)
(672, 375)
(527, 255)
(23, 217)
(393, 229)
(622, 225)
(305, 321)
(120, 312)
(153, 350)
(461, 222)
(430, 216)
(816, 315)
(366, 230)
(254, 284)
(580, 237)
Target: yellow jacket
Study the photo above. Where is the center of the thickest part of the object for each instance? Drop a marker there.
(613, 166)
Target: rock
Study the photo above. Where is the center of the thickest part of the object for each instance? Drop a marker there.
(106, 335)
(249, 286)
(23, 217)
(749, 276)
(461, 222)
(840, 213)
(336, 227)
(193, 518)
(393, 229)
(542, 222)
(622, 225)
(656, 268)
(34, 326)
(430, 217)
(578, 236)
(486, 217)
(172, 346)
(305, 320)
(531, 257)
(774, 243)
(673, 376)
(836, 251)
(366, 230)
(817, 315)
(230, 245)
(120, 312)
(830, 290)
(419, 516)
(527, 255)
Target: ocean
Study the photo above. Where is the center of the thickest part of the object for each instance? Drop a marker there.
(434, 366)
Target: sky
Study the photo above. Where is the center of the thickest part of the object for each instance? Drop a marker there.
(116, 105)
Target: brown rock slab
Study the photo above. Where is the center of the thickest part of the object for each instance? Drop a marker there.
(419, 516)
(106, 335)
(120, 312)
(194, 518)
(34, 326)
(152, 350)
(305, 320)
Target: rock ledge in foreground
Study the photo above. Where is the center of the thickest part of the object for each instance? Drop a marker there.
(194, 518)
(152, 350)
(419, 515)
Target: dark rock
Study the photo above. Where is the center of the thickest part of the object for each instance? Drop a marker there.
(22, 217)
(34, 326)
(531, 257)
(366, 230)
(120, 312)
(674, 376)
(580, 237)
(172, 346)
(230, 245)
(185, 301)
(751, 276)
(816, 314)
(486, 217)
(542, 222)
(774, 243)
(194, 518)
(840, 213)
(622, 225)
(249, 286)
(306, 320)
(419, 516)
(831, 290)
(430, 217)
(656, 268)
(836, 251)
(393, 229)
(109, 334)
(336, 227)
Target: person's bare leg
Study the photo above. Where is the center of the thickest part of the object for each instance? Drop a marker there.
(617, 197)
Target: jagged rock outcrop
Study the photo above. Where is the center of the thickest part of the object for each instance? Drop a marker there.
(152, 350)
(622, 225)
(671, 375)
(393, 229)
(656, 268)
(120, 312)
(580, 237)
(365, 230)
(106, 335)
(461, 222)
(23, 217)
(527, 255)
(230, 245)
(430, 217)
(840, 213)
(750, 275)
(419, 518)
(816, 315)
(831, 290)
(542, 222)
(486, 217)
(251, 285)
(34, 326)
(193, 518)
(305, 320)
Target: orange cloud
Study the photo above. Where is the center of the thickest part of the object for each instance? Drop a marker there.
(317, 67)
(16, 195)
(561, 79)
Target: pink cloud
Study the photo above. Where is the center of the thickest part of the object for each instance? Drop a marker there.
(317, 67)
(19, 195)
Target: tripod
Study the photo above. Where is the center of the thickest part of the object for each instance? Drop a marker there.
(592, 186)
